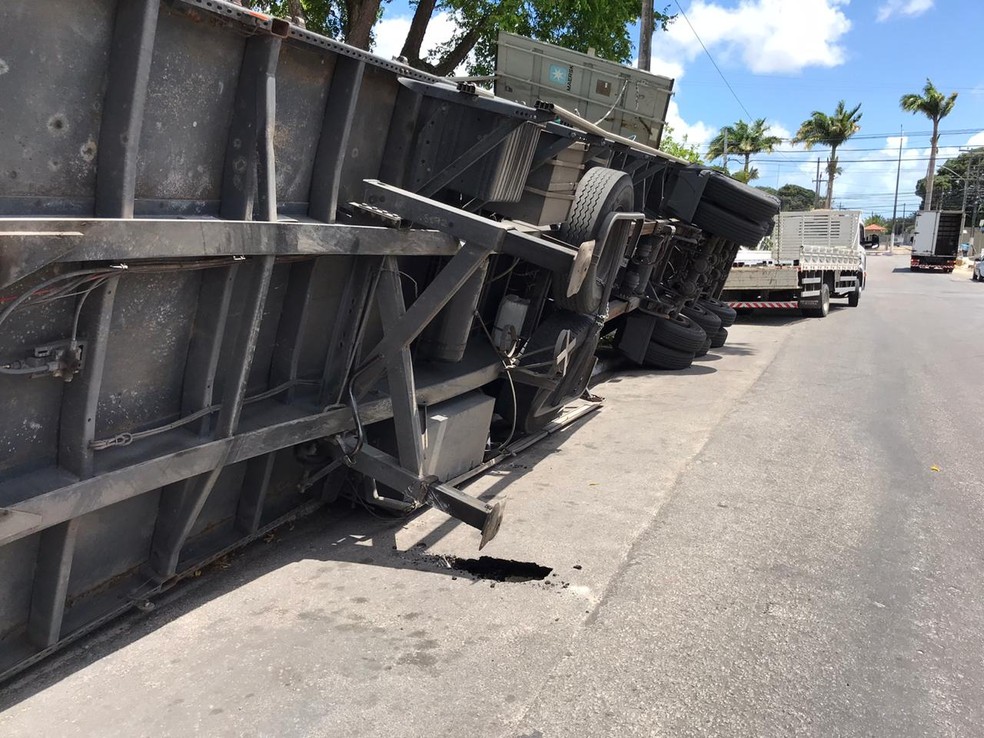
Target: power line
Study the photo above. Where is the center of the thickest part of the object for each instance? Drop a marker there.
(851, 161)
(723, 78)
(873, 148)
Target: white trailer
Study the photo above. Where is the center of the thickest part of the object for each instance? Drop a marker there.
(810, 258)
(935, 240)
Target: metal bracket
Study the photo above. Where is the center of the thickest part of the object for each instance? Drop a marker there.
(429, 491)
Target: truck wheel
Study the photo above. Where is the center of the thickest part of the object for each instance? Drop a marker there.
(719, 338)
(726, 313)
(714, 219)
(704, 348)
(855, 297)
(536, 407)
(731, 195)
(703, 317)
(663, 357)
(600, 192)
(679, 333)
(823, 308)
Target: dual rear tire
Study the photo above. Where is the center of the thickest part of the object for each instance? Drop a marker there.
(674, 342)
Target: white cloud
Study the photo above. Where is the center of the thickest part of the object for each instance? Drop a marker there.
(665, 67)
(976, 140)
(766, 36)
(392, 32)
(696, 134)
(911, 8)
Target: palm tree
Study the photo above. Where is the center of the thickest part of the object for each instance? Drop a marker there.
(821, 129)
(746, 176)
(935, 106)
(744, 140)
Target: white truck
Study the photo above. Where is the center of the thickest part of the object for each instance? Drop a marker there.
(935, 240)
(811, 257)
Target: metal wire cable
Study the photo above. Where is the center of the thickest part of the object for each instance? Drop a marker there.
(512, 385)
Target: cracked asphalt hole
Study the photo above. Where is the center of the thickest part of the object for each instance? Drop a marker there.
(501, 570)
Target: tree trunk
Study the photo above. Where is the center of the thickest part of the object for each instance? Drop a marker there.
(831, 173)
(748, 161)
(360, 17)
(931, 172)
(418, 29)
(296, 10)
(459, 53)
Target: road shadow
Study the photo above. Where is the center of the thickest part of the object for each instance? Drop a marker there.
(772, 318)
(344, 531)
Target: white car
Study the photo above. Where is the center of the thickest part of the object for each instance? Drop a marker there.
(978, 275)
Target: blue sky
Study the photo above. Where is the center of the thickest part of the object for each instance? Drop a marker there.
(785, 58)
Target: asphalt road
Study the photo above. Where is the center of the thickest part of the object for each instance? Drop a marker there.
(784, 540)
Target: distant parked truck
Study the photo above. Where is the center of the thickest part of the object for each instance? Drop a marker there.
(810, 258)
(935, 240)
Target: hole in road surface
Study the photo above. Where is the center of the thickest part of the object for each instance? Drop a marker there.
(501, 570)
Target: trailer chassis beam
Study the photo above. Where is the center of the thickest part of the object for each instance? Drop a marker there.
(569, 263)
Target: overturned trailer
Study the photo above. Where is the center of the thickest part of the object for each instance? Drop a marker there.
(245, 268)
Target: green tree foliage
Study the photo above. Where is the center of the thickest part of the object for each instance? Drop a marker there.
(949, 182)
(573, 24)
(792, 197)
(743, 140)
(936, 106)
(746, 175)
(681, 148)
(348, 20)
(821, 129)
(879, 220)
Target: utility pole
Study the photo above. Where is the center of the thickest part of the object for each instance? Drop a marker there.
(646, 35)
(898, 174)
(816, 194)
(903, 224)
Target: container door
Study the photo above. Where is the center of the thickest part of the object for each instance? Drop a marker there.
(925, 234)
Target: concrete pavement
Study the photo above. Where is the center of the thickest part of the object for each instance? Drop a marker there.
(758, 546)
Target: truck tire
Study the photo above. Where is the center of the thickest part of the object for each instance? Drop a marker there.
(679, 333)
(663, 357)
(536, 407)
(600, 192)
(719, 338)
(823, 307)
(704, 348)
(733, 227)
(731, 195)
(726, 313)
(855, 297)
(703, 317)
